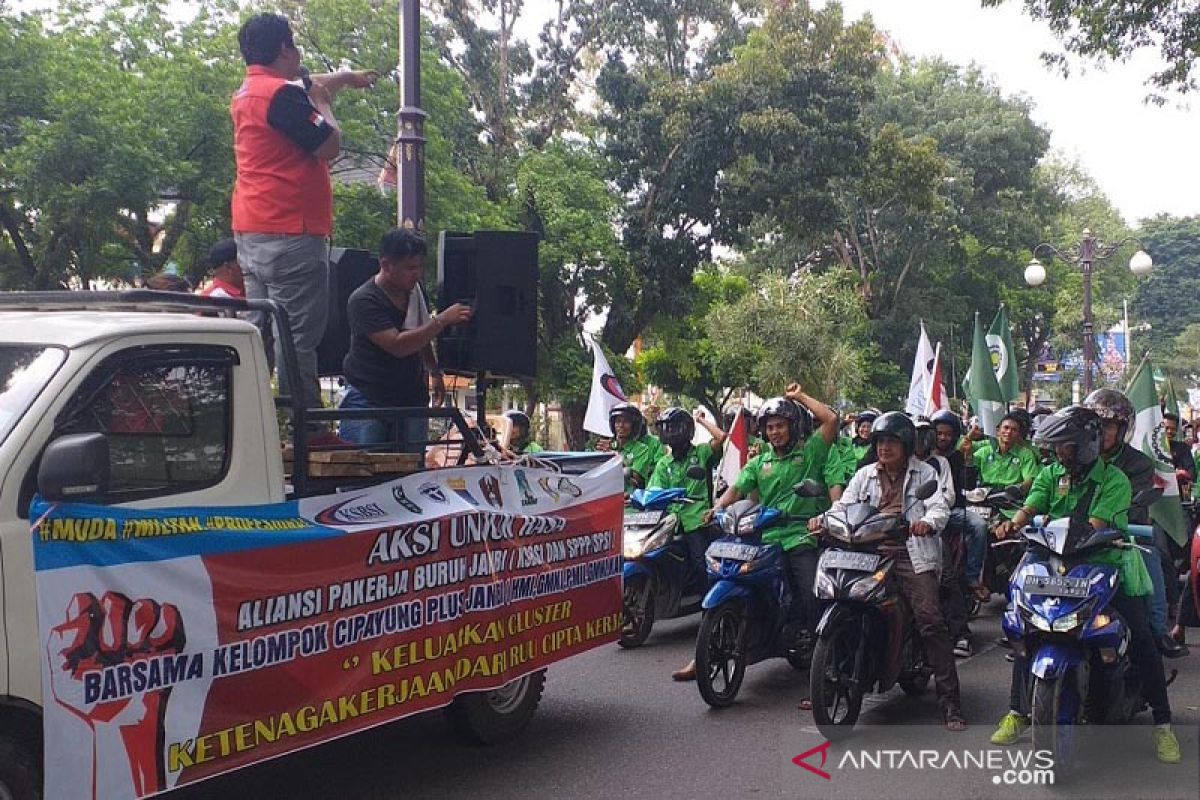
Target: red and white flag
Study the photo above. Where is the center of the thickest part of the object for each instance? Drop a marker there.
(937, 400)
(737, 445)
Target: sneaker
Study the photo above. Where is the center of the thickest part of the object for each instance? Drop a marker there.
(962, 648)
(1011, 728)
(1166, 744)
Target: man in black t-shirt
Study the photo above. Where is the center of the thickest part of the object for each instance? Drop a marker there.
(391, 335)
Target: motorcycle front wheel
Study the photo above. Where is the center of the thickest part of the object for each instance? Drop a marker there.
(1053, 716)
(638, 607)
(721, 654)
(834, 683)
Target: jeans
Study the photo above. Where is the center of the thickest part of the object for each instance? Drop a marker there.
(381, 431)
(976, 539)
(292, 270)
(1156, 602)
(1143, 653)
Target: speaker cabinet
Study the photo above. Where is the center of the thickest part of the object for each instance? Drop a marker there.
(496, 273)
(348, 269)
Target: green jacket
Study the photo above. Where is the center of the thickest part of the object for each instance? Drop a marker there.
(998, 469)
(772, 477)
(671, 473)
(1054, 494)
(639, 456)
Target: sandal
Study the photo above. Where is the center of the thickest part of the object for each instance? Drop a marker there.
(954, 720)
(805, 704)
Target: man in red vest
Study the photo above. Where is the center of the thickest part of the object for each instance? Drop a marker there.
(284, 135)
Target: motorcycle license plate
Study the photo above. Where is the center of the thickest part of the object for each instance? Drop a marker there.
(844, 559)
(983, 512)
(732, 550)
(643, 519)
(1056, 586)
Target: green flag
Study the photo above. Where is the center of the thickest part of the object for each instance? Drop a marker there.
(1173, 405)
(980, 384)
(1148, 437)
(1004, 356)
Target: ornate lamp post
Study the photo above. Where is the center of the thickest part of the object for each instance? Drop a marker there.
(1084, 254)
(410, 135)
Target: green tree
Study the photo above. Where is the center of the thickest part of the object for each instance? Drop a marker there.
(683, 360)
(801, 327)
(1166, 299)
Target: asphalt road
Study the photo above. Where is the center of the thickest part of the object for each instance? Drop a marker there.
(612, 723)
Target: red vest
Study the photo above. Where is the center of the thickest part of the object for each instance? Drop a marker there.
(280, 187)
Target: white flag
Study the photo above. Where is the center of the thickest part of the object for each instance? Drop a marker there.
(606, 393)
(736, 448)
(937, 388)
(918, 385)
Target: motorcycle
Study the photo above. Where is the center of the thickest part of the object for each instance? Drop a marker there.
(1076, 647)
(746, 608)
(659, 580)
(867, 638)
(998, 563)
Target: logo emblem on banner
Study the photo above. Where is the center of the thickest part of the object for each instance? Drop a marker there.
(459, 487)
(402, 499)
(549, 489)
(491, 491)
(527, 498)
(345, 514)
(434, 492)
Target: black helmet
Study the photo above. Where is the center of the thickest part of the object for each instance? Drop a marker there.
(633, 413)
(800, 422)
(1072, 425)
(947, 417)
(897, 425)
(676, 427)
(519, 419)
(1111, 404)
(1022, 418)
(926, 436)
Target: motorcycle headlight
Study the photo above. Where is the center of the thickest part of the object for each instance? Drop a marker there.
(1066, 624)
(638, 546)
(864, 588)
(714, 565)
(1039, 622)
(745, 525)
(728, 523)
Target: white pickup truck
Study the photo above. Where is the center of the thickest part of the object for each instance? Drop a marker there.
(87, 362)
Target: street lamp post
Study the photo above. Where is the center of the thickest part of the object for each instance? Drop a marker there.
(410, 135)
(1085, 254)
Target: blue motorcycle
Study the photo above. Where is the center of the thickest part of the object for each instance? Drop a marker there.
(746, 608)
(1076, 647)
(659, 580)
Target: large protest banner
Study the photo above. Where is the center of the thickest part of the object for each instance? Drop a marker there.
(188, 642)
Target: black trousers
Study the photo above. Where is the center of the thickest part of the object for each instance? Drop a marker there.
(802, 571)
(1142, 652)
(697, 542)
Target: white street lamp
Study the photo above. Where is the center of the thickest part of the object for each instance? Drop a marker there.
(1141, 264)
(1035, 273)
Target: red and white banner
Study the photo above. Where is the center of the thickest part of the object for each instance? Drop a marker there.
(184, 643)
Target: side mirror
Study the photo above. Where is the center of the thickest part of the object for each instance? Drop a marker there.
(926, 490)
(809, 488)
(696, 472)
(1014, 493)
(74, 468)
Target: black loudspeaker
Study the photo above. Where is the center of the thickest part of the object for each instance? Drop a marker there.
(348, 269)
(496, 272)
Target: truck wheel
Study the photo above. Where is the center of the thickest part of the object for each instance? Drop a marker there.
(498, 715)
(19, 779)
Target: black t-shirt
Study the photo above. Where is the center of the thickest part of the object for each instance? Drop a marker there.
(383, 378)
(294, 115)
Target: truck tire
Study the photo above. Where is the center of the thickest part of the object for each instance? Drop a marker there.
(499, 715)
(19, 779)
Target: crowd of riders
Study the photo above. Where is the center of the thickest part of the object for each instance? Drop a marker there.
(1052, 463)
